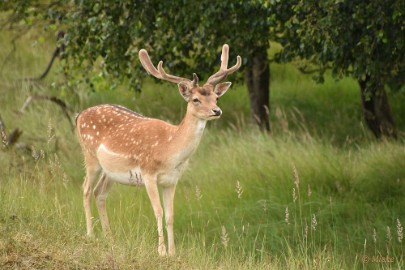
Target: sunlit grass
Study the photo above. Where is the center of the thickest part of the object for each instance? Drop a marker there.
(291, 203)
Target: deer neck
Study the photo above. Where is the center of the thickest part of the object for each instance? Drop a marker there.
(188, 135)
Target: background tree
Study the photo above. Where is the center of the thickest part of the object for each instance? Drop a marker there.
(186, 35)
(242, 24)
(363, 39)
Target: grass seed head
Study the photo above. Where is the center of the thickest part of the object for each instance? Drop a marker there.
(198, 193)
(287, 216)
(34, 153)
(4, 138)
(306, 231)
(294, 195)
(296, 176)
(309, 191)
(50, 132)
(400, 230)
(239, 189)
(389, 236)
(314, 222)
(224, 237)
(374, 236)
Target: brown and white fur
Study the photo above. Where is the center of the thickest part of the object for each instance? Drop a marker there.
(125, 147)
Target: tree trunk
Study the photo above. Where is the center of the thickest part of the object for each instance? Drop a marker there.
(376, 109)
(257, 77)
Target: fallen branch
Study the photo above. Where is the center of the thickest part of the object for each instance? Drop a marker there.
(57, 101)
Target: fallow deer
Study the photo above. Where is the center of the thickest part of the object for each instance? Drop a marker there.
(122, 146)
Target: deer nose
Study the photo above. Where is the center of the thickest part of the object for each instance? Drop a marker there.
(217, 111)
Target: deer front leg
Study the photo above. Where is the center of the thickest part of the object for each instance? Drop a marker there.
(101, 192)
(168, 197)
(153, 193)
(92, 171)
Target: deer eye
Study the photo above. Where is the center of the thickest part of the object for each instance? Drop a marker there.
(196, 100)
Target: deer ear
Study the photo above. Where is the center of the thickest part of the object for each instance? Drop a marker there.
(221, 88)
(184, 90)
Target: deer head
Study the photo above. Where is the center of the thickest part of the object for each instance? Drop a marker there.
(202, 100)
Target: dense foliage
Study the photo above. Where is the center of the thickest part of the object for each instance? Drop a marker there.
(187, 37)
(357, 38)
(363, 39)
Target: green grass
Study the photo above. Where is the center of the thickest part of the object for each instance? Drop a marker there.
(340, 188)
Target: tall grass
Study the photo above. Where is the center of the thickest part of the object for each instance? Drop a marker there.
(291, 204)
(319, 193)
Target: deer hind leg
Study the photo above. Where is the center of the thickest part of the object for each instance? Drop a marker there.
(92, 172)
(153, 193)
(101, 192)
(168, 197)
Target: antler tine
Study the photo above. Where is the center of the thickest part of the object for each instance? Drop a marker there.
(147, 63)
(224, 57)
(159, 73)
(224, 70)
(169, 77)
(194, 82)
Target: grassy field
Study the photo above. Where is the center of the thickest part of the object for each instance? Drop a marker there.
(319, 193)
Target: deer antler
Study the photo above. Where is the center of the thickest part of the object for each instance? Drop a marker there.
(224, 71)
(160, 73)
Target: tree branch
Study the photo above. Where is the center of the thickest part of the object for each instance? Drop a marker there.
(56, 53)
